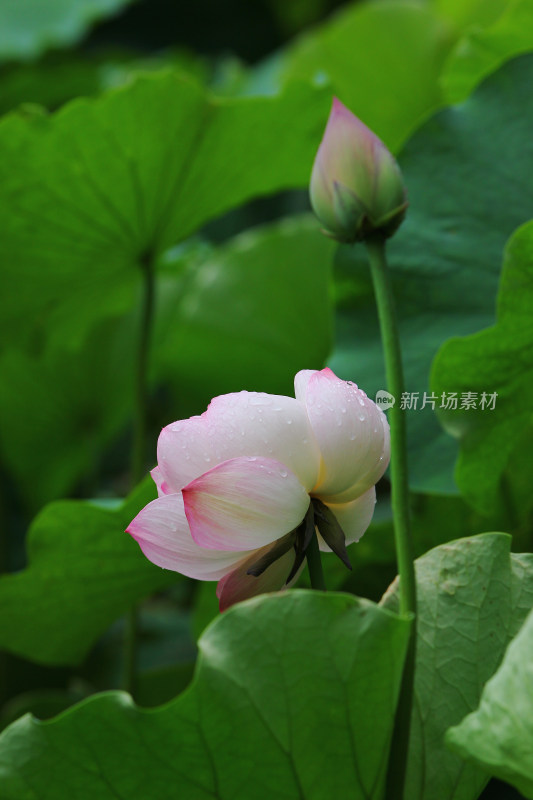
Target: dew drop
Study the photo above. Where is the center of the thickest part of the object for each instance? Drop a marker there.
(251, 458)
(283, 473)
(289, 422)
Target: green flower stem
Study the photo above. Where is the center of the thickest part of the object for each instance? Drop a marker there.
(400, 506)
(314, 565)
(138, 448)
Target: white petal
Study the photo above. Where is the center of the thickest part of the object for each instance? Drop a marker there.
(244, 503)
(184, 452)
(162, 531)
(259, 424)
(351, 432)
(354, 518)
(301, 380)
(374, 473)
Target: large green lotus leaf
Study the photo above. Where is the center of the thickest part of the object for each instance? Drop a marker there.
(28, 27)
(469, 190)
(294, 696)
(499, 359)
(252, 313)
(473, 596)
(481, 51)
(498, 736)
(84, 571)
(89, 193)
(383, 60)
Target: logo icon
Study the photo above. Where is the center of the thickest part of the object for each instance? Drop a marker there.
(384, 399)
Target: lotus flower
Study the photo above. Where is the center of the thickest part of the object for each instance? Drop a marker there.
(356, 186)
(243, 487)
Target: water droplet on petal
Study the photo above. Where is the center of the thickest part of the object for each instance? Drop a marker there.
(283, 473)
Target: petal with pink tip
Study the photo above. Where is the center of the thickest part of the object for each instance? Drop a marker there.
(162, 486)
(265, 425)
(238, 585)
(351, 432)
(162, 532)
(244, 503)
(354, 518)
(184, 452)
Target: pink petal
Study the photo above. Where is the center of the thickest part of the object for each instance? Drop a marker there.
(352, 434)
(163, 534)
(162, 486)
(354, 518)
(184, 452)
(237, 585)
(270, 426)
(244, 503)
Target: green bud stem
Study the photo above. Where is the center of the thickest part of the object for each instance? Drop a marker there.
(400, 507)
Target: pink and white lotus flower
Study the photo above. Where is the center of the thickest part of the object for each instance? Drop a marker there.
(242, 487)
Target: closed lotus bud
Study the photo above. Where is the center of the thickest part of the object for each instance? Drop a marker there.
(356, 187)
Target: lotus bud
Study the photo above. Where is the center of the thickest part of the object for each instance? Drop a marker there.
(356, 189)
